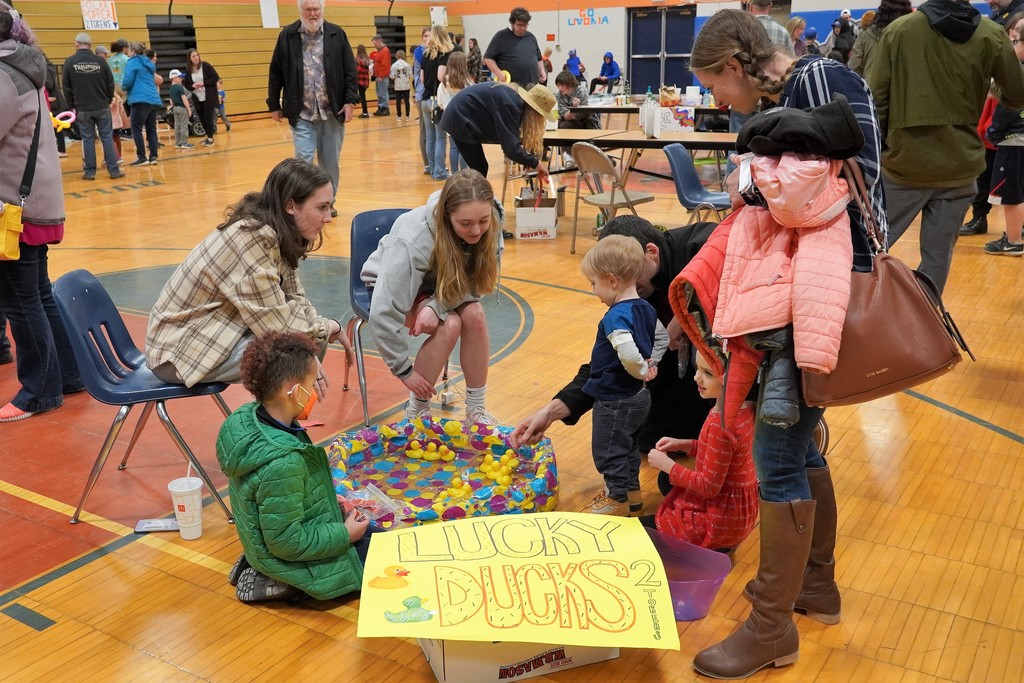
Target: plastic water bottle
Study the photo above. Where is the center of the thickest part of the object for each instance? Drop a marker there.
(600, 221)
(650, 96)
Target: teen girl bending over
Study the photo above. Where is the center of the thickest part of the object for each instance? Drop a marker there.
(427, 277)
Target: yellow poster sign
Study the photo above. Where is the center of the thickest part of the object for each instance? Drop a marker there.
(559, 577)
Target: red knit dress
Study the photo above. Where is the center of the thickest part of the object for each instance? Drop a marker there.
(715, 504)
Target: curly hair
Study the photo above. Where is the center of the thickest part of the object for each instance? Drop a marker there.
(731, 33)
(471, 269)
(888, 12)
(291, 180)
(274, 359)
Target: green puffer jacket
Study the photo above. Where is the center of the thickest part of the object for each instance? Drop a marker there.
(286, 513)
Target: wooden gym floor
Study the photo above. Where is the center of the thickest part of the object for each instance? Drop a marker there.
(929, 482)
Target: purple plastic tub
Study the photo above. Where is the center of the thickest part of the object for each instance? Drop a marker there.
(694, 574)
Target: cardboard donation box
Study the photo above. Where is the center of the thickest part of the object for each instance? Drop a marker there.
(463, 661)
(658, 120)
(513, 596)
(536, 222)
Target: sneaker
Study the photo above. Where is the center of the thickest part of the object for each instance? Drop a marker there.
(976, 226)
(188, 145)
(255, 587)
(179, 147)
(153, 161)
(62, 155)
(426, 170)
(241, 564)
(140, 162)
(412, 414)
(116, 173)
(228, 127)
(364, 115)
(88, 176)
(11, 413)
(120, 162)
(1004, 247)
(380, 112)
(603, 504)
(479, 416)
(208, 142)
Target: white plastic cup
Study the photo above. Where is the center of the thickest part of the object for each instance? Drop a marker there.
(187, 499)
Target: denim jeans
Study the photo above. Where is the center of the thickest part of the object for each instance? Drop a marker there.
(435, 140)
(455, 160)
(782, 457)
(383, 97)
(5, 343)
(615, 442)
(46, 365)
(323, 138)
(88, 123)
(144, 116)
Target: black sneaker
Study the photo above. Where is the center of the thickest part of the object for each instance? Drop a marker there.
(255, 587)
(88, 176)
(140, 162)
(116, 173)
(1004, 247)
(364, 115)
(976, 226)
(153, 161)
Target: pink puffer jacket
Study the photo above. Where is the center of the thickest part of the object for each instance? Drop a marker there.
(791, 262)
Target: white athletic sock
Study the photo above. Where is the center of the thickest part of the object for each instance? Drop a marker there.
(475, 399)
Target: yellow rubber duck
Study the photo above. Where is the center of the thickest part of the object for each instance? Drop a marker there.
(393, 577)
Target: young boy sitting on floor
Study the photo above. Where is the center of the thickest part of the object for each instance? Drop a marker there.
(286, 512)
(630, 342)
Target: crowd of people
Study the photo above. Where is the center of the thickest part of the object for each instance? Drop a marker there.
(235, 311)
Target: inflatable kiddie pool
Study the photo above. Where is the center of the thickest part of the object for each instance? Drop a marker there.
(423, 470)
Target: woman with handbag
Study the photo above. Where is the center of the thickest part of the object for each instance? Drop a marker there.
(432, 70)
(46, 364)
(735, 60)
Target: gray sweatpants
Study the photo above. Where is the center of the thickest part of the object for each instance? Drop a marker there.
(942, 212)
(180, 126)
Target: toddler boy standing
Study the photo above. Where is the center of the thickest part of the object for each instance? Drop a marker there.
(182, 109)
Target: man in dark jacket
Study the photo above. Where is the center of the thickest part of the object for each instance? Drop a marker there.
(930, 77)
(313, 64)
(677, 410)
(1002, 10)
(89, 90)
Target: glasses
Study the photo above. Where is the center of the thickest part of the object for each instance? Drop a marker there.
(1017, 41)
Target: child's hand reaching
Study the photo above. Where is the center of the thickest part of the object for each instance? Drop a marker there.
(356, 524)
(670, 445)
(660, 460)
(652, 371)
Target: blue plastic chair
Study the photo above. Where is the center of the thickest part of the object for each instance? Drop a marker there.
(114, 372)
(368, 228)
(694, 197)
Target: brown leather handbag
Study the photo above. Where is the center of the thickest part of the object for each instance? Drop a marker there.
(897, 333)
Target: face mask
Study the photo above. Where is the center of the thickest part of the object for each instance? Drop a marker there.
(307, 407)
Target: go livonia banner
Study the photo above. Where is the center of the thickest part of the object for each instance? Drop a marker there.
(559, 577)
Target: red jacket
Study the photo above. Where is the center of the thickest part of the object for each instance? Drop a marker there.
(715, 504)
(694, 298)
(381, 62)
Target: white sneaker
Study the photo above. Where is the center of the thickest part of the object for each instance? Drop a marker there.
(411, 413)
(479, 416)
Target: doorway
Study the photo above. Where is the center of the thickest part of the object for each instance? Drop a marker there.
(660, 40)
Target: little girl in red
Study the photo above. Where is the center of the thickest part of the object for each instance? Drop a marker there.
(715, 504)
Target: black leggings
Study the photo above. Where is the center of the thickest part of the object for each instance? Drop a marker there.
(207, 113)
(473, 154)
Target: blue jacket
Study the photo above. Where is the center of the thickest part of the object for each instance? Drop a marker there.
(610, 69)
(139, 81)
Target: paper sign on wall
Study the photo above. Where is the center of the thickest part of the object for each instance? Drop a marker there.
(268, 13)
(438, 16)
(99, 15)
(557, 577)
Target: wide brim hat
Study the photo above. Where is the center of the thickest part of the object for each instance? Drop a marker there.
(541, 100)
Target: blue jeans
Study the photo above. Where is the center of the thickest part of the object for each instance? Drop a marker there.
(383, 97)
(616, 442)
(783, 456)
(88, 123)
(5, 343)
(46, 364)
(455, 160)
(322, 138)
(435, 140)
(144, 116)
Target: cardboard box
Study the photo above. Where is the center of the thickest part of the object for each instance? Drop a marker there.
(463, 661)
(538, 223)
(657, 120)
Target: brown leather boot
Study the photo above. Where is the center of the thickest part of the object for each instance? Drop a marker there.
(819, 599)
(768, 637)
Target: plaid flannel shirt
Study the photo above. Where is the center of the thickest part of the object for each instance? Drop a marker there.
(234, 282)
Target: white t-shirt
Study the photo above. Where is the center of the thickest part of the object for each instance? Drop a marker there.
(198, 84)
